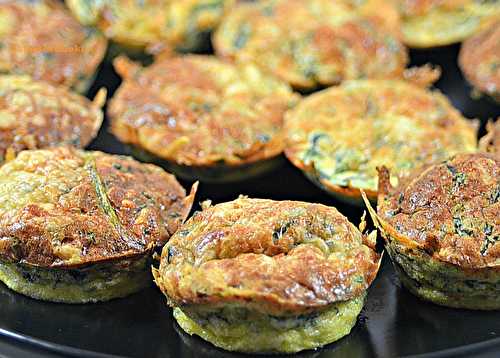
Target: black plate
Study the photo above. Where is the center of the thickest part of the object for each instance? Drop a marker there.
(393, 322)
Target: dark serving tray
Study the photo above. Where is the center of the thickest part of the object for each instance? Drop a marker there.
(393, 322)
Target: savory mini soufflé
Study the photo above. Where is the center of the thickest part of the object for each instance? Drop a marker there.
(36, 114)
(339, 136)
(78, 227)
(135, 25)
(431, 23)
(264, 276)
(40, 38)
(200, 117)
(442, 230)
(479, 60)
(317, 42)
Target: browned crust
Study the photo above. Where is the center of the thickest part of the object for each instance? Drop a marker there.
(179, 110)
(365, 46)
(421, 7)
(479, 60)
(96, 207)
(46, 42)
(450, 210)
(277, 257)
(36, 115)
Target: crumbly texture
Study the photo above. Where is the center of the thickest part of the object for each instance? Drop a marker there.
(442, 229)
(40, 38)
(258, 275)
(35, 114)
(479, 60)
(339, 136)
(430, 23)
(64, 208)
(244, 331)
(138, 24)
(101, 282)
(275, 257)
(199, 111)
(315, 43)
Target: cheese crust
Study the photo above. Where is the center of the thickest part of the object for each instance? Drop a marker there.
(41, 39)
(442, 230)
(315, 43)
(339, 136)
(256, 263)
(64, 209)
(479, 60)
(36, 114)
(431, 23)
(138, 24)
(201, 113)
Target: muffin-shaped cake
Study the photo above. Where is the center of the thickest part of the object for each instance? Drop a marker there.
(442, 230)
(339, 136)
(315, 43)
(431, 23)
(200, 117)
(263, 276)
(35, 114)
(41, 39)
(135, 25)
(479, 60)
(79, 227)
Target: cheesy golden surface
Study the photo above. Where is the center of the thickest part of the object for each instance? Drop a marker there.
(479, 60)
(339, 136)
(35, 114)
(199, 111)
(66, 208)
(430, 23)
(137, 24)
(40, 38)
(259, 275)
(314, 43)
(442, 230)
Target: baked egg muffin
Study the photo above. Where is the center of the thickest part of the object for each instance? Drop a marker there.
(78, 227)
(317, 42)
(264, 276)
(442, 229)
(200, 117)
(36, 114)
(339, 136)
(479, 60)
(431, 23)
(41, 39)
(135, 25)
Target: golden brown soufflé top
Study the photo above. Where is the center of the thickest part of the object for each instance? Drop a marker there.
(342, 134)
(450, 209)
(36, 114)
(41, 38)
(199, 111)
(137, 24)
(480, 60)
(430, 23)
(317, 42)
(64, 207)
(277, 257)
